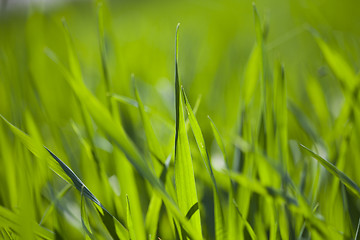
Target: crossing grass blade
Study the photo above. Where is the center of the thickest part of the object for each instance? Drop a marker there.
(184, 172)
(219, 218)
(10, 220)
(350, 184)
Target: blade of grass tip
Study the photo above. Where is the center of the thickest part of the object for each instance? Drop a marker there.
(115, 131)
(350, 184)
(84, 217)
(184, 172)
(9, 219)
(247, 224)
(129, 220)
(219, 218)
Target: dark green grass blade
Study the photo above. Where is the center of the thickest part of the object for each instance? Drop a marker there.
(9, 219)
(219, 218)
(184, 173)
(350, 184)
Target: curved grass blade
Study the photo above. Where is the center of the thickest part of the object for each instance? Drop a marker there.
(9, 219)
(350, 184)
(219, 217)
(129, 220)
(184, 172)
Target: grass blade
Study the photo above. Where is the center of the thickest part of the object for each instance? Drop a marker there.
(350, 184)
(129, 220)
(219, 218)
(184, 172)
(247, 224)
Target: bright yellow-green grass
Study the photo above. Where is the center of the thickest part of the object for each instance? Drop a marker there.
(241, 122)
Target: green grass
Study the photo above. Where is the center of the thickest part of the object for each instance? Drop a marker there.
(251, 132)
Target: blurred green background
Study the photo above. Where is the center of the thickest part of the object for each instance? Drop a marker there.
(215, 43)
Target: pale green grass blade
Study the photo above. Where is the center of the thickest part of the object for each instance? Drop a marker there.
(350, 184)
(232, 223)
(338, 64)
(152, 141)
(184, 172)
(247, 224)
(130, 222)
(9, 219)
(219, 218)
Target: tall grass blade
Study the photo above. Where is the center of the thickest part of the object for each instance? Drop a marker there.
(219, 218)
(184, 172)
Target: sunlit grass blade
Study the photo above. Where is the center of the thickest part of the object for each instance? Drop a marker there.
(337, 63)
(247, 224)
(219, 218)
(130, 223)
(184, 173)
(350, 184)
(9, 219)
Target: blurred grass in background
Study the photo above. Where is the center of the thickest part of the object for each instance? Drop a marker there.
(288, 78)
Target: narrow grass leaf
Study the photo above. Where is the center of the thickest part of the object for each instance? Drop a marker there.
(130, 222)
(184, 172)
(350, 184)
(219, 218)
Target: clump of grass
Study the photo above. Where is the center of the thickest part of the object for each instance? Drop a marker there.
(254, 179)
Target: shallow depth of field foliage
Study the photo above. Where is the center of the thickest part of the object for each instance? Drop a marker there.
(242, 122)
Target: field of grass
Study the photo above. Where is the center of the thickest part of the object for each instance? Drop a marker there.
(241, 122)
